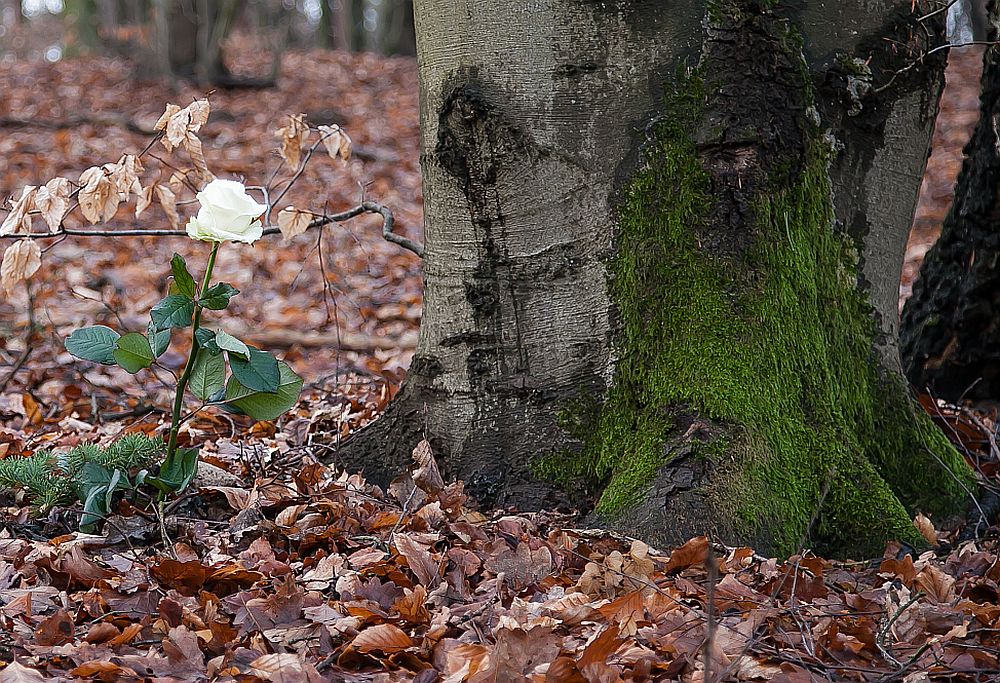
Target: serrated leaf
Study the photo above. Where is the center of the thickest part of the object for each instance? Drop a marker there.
(208, 374)
(266, 405)
(174, 311)
(133, 352)
(258, 372)
(218, 295)
(206, 340)
(182, 278)
(96, 343)
(228, 342)
(20, 261)
(158, 340)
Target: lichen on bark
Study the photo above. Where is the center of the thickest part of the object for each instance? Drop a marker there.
(747, 400)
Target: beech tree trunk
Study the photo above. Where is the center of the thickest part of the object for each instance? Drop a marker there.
(193, 31)
(662, 256)
(951, 323)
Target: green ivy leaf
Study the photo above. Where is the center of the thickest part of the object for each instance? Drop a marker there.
(158, 340)
(95, 344)
(228, 342)
(182, 278)
(218, 295)
(266, 405)
(259, 373)
(133, 352)
(174, 311)
(208, 374)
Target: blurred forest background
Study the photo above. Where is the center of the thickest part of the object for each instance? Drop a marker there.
(158, 32)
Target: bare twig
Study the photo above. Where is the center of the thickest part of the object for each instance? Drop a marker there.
(365, 207)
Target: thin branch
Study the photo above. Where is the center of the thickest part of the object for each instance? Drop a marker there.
(365, 207)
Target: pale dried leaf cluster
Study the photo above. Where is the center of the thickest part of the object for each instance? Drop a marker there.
(101, 190)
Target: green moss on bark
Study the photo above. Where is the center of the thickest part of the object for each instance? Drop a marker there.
(773, 342)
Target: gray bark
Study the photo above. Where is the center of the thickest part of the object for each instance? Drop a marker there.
(531, 127)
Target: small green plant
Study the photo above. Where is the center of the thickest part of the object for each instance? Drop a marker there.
(96, 476)
(256, 384)
(221, 370)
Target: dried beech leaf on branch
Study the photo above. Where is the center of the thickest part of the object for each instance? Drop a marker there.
(98, 197)
(293, 136)
(143, 201)
(293, 222)
(168, 200)
(177, 123)
(337, 142)
(18, 220)
(125, 175)
(52, 200)
(20, 262)
(194, 149)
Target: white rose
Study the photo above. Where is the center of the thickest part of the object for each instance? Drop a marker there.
(227, 213)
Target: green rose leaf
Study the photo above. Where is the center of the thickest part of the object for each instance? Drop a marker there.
(208, 374)
(96, 488)
(259, 373)
(182, 278)
(95, 344)
(158, 340)
(206, 340)
(228, 342)
(218, 295)
(174, 311)
(133, 352)
(262, 405)
(176, 472)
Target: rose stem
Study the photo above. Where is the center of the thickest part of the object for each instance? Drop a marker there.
(175, 417)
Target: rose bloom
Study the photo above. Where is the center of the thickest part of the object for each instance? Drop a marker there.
(227, 213)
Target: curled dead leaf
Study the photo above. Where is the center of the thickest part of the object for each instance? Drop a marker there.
(293, 222)
(20, 261)
(337, 142)
(426, 475)
(19, 219)
(926, 528)
(168, 200)
(52, 200)
(177, 123)
(293, 135)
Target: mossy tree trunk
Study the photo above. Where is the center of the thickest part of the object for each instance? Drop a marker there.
(951, 325)
(661, 256)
